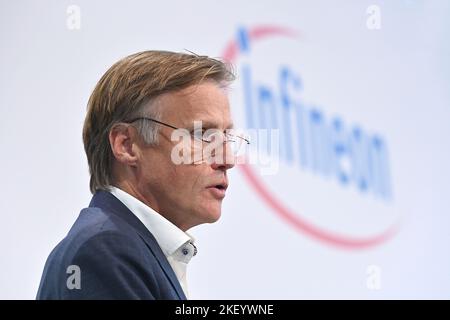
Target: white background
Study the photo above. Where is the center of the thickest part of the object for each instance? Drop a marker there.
(394, 81)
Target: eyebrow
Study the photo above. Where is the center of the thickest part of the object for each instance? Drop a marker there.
(206, 124)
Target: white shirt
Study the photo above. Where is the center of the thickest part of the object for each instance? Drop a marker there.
(176, 244)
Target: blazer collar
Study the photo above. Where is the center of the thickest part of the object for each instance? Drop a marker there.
(108, 202)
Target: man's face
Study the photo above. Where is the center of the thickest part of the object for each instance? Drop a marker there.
(186, 194)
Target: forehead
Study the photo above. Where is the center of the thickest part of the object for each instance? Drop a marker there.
(207, 102)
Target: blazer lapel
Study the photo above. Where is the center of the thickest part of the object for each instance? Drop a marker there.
(106, 201)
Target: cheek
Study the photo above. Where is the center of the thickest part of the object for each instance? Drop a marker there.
(158, 175)
(186, 181)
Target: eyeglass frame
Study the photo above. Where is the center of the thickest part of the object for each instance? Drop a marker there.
(227, 135)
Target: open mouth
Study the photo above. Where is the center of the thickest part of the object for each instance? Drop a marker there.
(218, 190)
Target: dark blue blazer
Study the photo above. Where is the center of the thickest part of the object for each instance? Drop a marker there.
(115, 257)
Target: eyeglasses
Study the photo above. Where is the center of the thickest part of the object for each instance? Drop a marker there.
(235, 142)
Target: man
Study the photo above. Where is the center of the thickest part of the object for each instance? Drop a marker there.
(131, 242)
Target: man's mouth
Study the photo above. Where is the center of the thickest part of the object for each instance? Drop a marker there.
(220, 186)
(218, 190)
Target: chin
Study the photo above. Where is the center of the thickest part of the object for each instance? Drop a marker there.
(209, 215)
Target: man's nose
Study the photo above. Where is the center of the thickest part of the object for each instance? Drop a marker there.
(224, 161)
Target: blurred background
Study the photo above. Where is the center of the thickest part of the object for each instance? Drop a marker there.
(356, 205)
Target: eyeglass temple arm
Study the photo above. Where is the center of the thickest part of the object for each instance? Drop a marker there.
(150, 119)
(173, 127)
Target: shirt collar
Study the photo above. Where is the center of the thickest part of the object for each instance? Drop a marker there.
(169, 237)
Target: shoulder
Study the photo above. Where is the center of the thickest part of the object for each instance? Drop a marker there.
(110, 257)
(99, 232)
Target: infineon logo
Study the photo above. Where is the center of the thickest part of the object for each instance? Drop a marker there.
(334, 182)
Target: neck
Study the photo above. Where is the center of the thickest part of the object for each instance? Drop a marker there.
(150, 201)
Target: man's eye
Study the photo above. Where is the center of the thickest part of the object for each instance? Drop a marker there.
(198, 134)
(213, 134)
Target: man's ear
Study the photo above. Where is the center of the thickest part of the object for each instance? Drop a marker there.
(122, 137)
